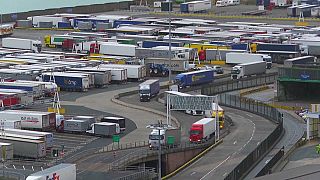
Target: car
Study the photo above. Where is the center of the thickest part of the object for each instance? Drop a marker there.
(194, 112)
(218, 69)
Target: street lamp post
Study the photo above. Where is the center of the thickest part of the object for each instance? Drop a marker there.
(170, 73)
(159, 127)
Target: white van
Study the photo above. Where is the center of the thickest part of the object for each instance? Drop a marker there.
(233, 2)
(221, 3)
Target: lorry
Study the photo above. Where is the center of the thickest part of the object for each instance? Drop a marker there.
(212, 114)
(238, 58)
(68, 81)
(194, 78)
(314, 50)
(31, 119)
(119, 120)
(58, 172)
(195, 6)
(223, 3)
(299, 60)
(17, 43)
(134, 72)
(168, 138)
(75, 126)
(248, 69)
(154, 43)
(220, 54)
(177, 65)
(104, 129)
(149, 89)
(202, 130)
(277, 47)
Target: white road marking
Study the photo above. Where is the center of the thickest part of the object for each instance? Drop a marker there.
(192, 173)
(5, 166)
(253, 131)
(23, 168)
(267, 161)
(215, 167)
(14, 167)
(258, 143)
(225, 174)
(32, 168)
(41, 168)
(235, 142)
(249, 115)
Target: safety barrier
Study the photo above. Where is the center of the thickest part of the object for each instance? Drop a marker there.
(266, 169)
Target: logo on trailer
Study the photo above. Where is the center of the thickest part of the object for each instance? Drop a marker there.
(69, 82)
(54, 177)
(30, 119)
(196, 78)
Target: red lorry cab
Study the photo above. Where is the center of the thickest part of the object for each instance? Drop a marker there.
(196, 133)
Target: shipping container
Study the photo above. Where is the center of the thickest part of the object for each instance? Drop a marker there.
(26, 147)
(59, 172)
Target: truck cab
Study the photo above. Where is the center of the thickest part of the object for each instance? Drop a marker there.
(179, 80)
(36, 46)
(145, 93)
(196, 133)
(154, 138)
(236, 72)
(268, 60)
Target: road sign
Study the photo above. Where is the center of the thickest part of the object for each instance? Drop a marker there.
(200, 103)
(170, 140)
(115, 138)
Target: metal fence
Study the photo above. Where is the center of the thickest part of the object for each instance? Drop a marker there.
(232, 85)
(139, 173)
(265, 146)
(267, 168)
(299, 73)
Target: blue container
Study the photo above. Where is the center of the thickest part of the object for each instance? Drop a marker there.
(151, 44)
(64, 25)
(239, 46)
(184, 7)
(24, 88)
(194, 78)
(278, 47)
(116, 23)
(66, 83)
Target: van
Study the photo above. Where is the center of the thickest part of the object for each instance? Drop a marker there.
(221, 3)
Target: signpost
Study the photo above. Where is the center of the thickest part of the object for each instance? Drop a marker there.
(115, 139)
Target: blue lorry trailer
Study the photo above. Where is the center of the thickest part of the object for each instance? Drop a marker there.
(149, 89)
(194, 78)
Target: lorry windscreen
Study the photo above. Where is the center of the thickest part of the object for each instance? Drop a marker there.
(144, 91)
(155, 137)
(235, 71)
(193, 132)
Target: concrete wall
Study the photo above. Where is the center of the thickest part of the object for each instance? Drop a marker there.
(96, 8)
(175, 160)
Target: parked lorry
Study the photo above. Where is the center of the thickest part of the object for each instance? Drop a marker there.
(195, 6)
(248, 69)
(194, 78)
(220, 54)
(75, 126)
(314, 50)
(277, 47)
(202, 130)
(299, 60)
(101, 77)
(17, 43)
(47, 136)
(68, 81)
(238, 58)
(118, 120)
(117, 49)
(177, 65)
(153, 43)
(31, 119)
(26, 147)
(134, 72)
(168, 138)
(149, 89)
(35, 89)
(105, 129)
(59, 172)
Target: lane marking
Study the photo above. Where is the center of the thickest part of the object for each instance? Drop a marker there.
(249, 115)
(258, 143)
(14, 167)
(32, 168)
(5, 166)
(41, 168)
(234, 153)
(225, 174)
(215, 168)
(23, 168)
(192, 173)
(235, 142)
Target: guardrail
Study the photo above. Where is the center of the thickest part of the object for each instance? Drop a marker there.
(267, 168)
(253, 106)
(142, 173)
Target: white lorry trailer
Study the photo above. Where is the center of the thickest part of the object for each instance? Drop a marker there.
(136, 72)
(118, 49)
(17, 43)
(60, 171)
(239, 58)
(248, 69)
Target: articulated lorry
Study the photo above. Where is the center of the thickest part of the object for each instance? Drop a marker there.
(239, 58)
(202, 130)
(248, 69)
(149, 89)
(17, 43)
(168, 137)
(194, 78)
